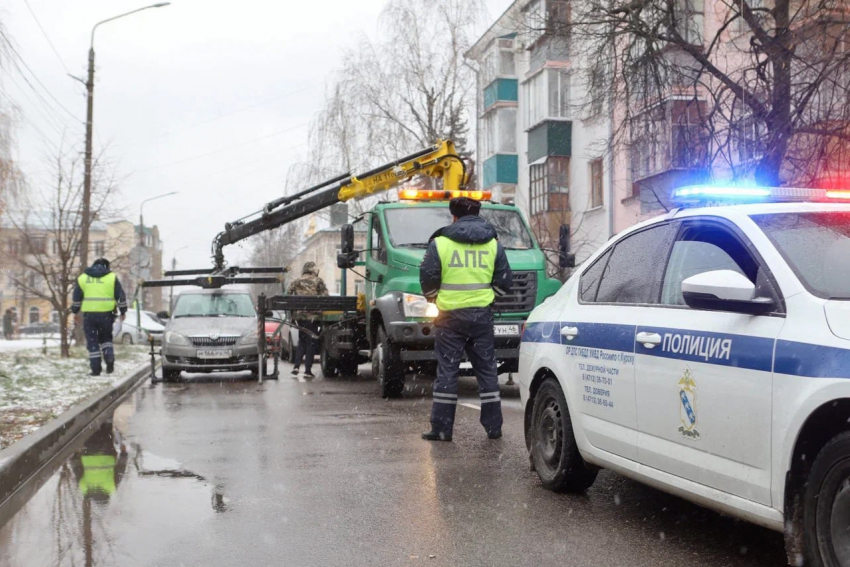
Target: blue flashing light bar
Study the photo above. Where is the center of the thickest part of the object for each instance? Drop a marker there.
(707, 194)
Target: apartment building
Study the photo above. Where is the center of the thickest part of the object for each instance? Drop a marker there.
(538, 145)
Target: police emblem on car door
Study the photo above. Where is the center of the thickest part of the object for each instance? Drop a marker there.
(688, 405)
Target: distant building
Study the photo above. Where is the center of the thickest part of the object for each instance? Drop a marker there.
(36, 238)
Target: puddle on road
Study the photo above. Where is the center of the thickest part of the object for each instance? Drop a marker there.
(91, 509)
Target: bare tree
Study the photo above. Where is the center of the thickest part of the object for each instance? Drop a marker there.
(750, 87)
(45, 241)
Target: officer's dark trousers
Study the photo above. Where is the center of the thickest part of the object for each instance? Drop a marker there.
(471, 331)
(98, 331)
(307, 345)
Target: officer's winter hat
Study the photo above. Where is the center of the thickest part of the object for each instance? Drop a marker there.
(101, 262)
(309, 268)
(464, 206)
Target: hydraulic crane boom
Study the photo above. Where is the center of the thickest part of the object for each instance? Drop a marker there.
(439, 161)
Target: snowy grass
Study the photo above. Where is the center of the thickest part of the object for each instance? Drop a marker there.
(35, 388)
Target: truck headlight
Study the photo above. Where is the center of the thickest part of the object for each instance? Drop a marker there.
(418, 306)
(175, 338)
(249, 338)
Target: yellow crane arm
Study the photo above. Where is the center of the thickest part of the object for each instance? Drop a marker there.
(440, 161)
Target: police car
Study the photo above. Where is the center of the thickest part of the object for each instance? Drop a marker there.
(707, 353)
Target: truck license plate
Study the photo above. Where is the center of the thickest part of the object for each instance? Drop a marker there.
(502, 330)
(214, 353)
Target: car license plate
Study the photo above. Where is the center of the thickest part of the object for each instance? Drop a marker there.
(502, 330)
(214, 353)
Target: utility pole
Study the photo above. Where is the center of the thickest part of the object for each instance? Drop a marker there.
(86, 208)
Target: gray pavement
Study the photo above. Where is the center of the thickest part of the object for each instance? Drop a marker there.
(220, 471)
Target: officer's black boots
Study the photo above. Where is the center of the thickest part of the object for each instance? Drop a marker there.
(495, 434)
(436, 436)
(110, 366)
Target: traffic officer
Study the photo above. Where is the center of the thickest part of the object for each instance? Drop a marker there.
(97, 294)
(465, 268)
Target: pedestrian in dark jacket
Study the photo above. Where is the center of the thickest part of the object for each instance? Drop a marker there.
(98, 294)
(8, 325)
(309, 284)
(464, 269)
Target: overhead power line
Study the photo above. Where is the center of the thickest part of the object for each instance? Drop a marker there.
(44, 33)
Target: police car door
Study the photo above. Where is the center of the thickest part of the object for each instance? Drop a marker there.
(704, 377)
(598, 330)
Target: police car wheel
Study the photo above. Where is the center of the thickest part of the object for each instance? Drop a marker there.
(554, 451)
(126, 339)
(387, 367)
(827, 505)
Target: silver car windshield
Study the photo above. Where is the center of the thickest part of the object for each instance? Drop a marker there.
(214, 305)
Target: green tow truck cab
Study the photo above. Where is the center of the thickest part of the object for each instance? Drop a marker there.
(395, 326)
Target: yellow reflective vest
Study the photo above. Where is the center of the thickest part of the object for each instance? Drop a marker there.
(98, 293)
(467, 273)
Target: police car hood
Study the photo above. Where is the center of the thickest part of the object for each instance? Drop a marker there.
(468, 230)
(212, 325)
(838, 317)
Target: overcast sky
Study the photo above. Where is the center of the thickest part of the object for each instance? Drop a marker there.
(210, 98)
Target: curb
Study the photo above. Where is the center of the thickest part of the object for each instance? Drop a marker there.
(24, 458)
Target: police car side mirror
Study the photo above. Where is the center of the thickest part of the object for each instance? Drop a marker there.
(565, 258)
(724, 290)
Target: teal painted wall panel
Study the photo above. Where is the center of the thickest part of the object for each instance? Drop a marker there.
(500, 168)
(550, 139)
(501, 90)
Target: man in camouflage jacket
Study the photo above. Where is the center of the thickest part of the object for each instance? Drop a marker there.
(308, 321)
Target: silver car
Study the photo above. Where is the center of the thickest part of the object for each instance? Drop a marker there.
(210, 330)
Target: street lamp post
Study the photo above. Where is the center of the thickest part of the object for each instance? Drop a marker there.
(84, 233)
(173, 267)
(139, 292)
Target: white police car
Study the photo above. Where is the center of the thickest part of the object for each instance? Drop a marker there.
(707, 353)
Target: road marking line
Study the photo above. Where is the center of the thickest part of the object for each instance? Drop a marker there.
(471, 406)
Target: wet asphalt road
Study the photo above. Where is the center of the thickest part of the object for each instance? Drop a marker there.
(220, 471)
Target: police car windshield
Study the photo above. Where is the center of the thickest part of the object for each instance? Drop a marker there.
(214, 305)
(414, 226)
(816, 246)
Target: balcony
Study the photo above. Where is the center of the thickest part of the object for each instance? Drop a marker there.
(550, 138)
(501, 90)
(500, 169)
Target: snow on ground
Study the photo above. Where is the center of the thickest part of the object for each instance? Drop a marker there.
(35, 388)
(36, 341)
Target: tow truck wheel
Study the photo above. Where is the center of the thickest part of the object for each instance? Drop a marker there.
(387, 367)
(126, 339)
(330, 366)
(554, 451)
(826, 513)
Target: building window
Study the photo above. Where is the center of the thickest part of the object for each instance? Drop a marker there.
(99, 249)
(596, 184)
(686, 132)
(54, 317)
(500, 61)
(35, 315)
(37, 244)
(550, 185)
(688, 20)
(546, 95)
(12, 247)
(498, 132)
(55, 247)
(338, 286)
(597, 91)
(559, 94)
(545, 17)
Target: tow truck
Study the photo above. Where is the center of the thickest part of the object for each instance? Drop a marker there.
(392, 323)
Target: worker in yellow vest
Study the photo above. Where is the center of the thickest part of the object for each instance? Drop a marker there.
(463, 270)
(98, 294)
